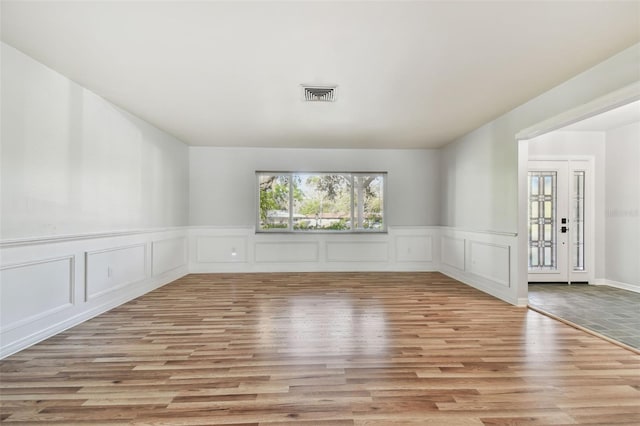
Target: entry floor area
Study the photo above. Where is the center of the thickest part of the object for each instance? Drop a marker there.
(321, 349)
(610, 311)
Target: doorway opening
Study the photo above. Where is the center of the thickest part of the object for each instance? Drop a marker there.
(576, 180)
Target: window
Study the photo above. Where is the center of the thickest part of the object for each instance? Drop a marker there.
(542, 220)
(577, 243)
(330, 202)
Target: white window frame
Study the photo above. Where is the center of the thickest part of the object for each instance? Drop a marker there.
(350, 175)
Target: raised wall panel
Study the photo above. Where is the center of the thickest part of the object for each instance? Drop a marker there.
(33, 290)
(402, 249)
(221, 249)
(167, 255)
(452, 252)
(490, 261)
(286, 251)
(484, 260)
(41, 295)
(360, 251)
(414, 248)
(109, 270)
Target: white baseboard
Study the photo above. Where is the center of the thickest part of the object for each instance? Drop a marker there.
(617, 284)
(200, 268)
(480, 284)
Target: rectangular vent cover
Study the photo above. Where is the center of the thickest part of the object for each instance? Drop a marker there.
(319, 93)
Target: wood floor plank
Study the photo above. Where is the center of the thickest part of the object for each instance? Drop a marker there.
(366, 349)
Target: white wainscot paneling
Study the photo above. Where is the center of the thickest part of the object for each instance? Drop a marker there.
(168, 255)
(287, 251)
(489, 261)
(114, 268)
(221, 249)
(33, 290)
(357, 251)
(452, 252)
(410, 248)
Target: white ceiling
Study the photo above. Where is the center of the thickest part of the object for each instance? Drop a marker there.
(612, 119)
(409, 74)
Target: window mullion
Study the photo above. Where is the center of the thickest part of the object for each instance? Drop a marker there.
(352, 202)
(290, 228)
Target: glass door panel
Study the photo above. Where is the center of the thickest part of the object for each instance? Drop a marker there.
(578, 221)
(547, 221)
(542, 220)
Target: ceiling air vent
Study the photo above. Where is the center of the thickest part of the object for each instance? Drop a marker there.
(319, 93)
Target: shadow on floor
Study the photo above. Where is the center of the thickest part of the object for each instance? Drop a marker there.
(612, 312)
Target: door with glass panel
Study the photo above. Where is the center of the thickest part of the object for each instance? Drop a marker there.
(556, 221)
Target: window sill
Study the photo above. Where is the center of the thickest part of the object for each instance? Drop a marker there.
(384, 232)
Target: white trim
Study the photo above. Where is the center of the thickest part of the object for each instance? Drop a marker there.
(484, 232)
(444, 262)
(331, 258)
(506, 283)
(87, 256)
(315, 245)
(16, 242)
(35, 262)
(597, 106)
(114, 248)
(230, 228)
(617, 284)
(72, 288)
(554, 157)
(185, 254)
(486, 286)
(460, 269)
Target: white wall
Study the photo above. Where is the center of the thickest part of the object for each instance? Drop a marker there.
(73, 163)
(622, 215)
(580, 144)
(480, 169)
(222, 181)
(85, 188)
(223, 196)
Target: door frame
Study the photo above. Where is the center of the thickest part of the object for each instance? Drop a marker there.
(590, 213)
(617, 98)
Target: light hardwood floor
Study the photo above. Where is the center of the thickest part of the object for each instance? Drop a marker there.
(321, 349)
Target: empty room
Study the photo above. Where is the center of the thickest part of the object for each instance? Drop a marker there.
(320, 213)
